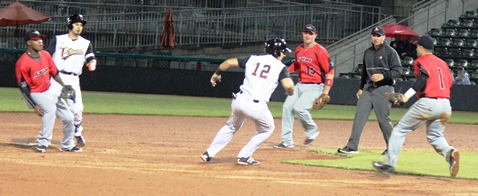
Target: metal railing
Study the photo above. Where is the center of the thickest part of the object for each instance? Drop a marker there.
(125, 27)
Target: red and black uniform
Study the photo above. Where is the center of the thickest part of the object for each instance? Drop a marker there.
(434, 79)
(313, 63)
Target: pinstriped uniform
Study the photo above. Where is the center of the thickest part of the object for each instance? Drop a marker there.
(262, 75)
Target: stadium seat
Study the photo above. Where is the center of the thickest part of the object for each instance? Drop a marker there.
(451, 23)
(412, 79)
(443, 42)
(407, 61)
(466, 22)
(467, 52)
(435, 32)
(471, 43)
(407, 71)
(457, 42)
(449, 32)
(462, 32)
(441, 52)
(474, 75)
(473, 63)
(470, 14)
(454, 51)
(461, 63)
(474, 33)
(450, 62)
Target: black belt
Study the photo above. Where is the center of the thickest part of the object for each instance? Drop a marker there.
(310, 82)
(68, 73)
(240, 92)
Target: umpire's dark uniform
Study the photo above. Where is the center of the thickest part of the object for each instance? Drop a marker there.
(386, 61)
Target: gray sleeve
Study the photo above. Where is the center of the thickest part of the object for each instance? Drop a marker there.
(395, 64)
(242, 61)
(284, 74)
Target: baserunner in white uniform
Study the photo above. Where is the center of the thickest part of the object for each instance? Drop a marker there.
(70, 52)
(262, 75)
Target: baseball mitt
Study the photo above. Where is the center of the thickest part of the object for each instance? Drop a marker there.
(395, 98)
(320, 102)
(68, 93)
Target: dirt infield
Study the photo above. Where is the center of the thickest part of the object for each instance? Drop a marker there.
(159, 155)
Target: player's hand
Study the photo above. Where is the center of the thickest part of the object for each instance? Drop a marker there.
(92, 65)
(376, 77)
(38, 110)
(359, 93)
(215, 78)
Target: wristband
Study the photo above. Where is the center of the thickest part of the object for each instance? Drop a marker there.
(218, 71)
(410, 93)
(329, 82)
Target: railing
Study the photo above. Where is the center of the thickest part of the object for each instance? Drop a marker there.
(127, 27)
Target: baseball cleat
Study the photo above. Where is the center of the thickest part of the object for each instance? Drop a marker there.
(454, 161)
(347, 150)
(205, 157)
(74, 149)
(247, 161)
(80, 141)
(308, 141)
(282, 145)
(383, 168)
(41, 149)
(385, 152)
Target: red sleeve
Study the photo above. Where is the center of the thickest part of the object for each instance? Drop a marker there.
(324, 61)
(295, 66)
(51, 64)
(18, 71)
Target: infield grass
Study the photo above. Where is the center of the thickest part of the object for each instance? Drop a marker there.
(411, 162)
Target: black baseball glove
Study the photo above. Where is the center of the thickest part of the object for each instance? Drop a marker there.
(395, 98)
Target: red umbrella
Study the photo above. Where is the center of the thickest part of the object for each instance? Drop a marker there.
(400, 30)
(19, 14)
(168, 34)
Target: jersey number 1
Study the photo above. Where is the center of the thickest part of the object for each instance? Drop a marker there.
(264, 70)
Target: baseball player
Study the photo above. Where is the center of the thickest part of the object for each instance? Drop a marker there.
(381, 67)
(33, 71)
(262, 75)
(70, 52)
(432, 87)
(316, 76)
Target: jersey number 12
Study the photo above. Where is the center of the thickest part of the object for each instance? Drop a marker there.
(263, 72)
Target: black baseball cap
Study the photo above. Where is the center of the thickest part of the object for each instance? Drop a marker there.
(426, 42)
(309, 28)
(33, 35)
(378, 30)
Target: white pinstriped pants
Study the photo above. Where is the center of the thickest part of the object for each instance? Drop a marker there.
(244, 107)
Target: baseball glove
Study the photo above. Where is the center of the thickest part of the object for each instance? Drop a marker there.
(320, 102)
(68, 93)
(395, 98)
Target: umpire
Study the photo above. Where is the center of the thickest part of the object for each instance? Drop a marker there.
(381, 66)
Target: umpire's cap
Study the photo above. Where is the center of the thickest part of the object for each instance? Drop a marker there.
(378, 31)
(33, 35)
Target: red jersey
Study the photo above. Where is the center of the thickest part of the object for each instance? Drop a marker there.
(439, 80)
(36, 74)
(313, 63)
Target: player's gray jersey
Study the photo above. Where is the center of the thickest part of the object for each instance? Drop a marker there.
(70, 55)
(261, 76)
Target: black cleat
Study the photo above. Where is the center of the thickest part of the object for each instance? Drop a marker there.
(383, 168)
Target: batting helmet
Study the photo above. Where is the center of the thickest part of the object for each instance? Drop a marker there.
(74, 19)
(276, 46)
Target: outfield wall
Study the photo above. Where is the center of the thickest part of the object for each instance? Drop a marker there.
(196, 83)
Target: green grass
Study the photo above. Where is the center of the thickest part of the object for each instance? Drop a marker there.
(148, 104)
(422, 163)
(410, 162)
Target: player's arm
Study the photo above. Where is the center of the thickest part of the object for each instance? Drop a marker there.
(287, 83)
(328, 69)
(232, 62)
(90, 58)
(418, 85)
(23, 85)
(364, 75)
(52, 46)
